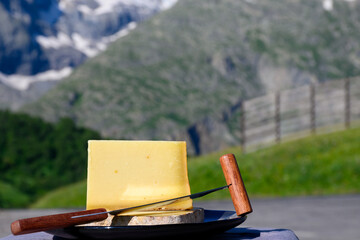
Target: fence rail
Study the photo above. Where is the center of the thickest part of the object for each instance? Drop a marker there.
(293, 113)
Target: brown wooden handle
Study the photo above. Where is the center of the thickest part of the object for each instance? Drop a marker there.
(37, 224)
(237, 189)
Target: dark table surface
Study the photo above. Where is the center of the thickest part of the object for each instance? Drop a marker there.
(235, 233)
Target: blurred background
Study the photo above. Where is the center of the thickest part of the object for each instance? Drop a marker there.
(275, 82)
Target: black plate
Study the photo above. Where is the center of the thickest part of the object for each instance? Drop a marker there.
(215, 222)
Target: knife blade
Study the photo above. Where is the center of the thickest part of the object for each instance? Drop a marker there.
(155, 204)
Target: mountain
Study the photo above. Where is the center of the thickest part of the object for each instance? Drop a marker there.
(183, 73)
(42, 41)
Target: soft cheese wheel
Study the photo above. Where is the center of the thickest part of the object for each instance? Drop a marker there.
(123, 174)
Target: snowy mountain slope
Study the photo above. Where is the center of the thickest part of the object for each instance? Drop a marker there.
(44, 40)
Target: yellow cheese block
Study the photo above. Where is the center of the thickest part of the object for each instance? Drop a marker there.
(123, 174)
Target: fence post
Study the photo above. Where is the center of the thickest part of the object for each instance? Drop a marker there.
(277, 117)
(312, 109)
(347, 103)
(242, 126)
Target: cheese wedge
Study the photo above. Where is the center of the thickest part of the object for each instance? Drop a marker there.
(123, 174)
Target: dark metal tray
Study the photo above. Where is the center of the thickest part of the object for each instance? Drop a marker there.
(215, 221)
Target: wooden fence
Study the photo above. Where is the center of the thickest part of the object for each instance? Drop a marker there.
(311, 109)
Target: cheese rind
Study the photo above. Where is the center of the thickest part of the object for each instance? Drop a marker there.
(153, 218)
(123, 174)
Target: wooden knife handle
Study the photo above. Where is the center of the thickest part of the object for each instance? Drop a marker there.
(237, 189)
(43, 223)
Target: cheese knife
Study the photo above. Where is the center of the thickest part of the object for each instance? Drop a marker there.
(43, 223)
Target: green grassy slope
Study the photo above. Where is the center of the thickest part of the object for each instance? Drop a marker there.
(198, 59)
(73, 195)
(11, 197)
(324, 164)
(317, 165)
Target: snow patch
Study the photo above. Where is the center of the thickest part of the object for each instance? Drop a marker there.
(63, 4)
(107, 6)
(328, 5)
(87, 46)
(165, 5)
(22, 82)
(85, 9)
(92, 47)
(84, 45)
(54, 42)
(119, 34)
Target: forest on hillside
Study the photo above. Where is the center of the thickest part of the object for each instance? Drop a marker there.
(36, 156)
